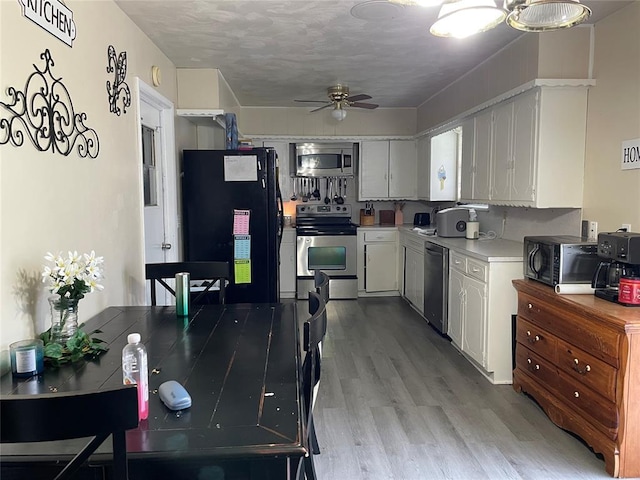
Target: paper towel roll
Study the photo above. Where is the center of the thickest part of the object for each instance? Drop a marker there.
(574, 288)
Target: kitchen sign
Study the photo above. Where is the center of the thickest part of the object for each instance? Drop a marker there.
(53, 16)
(631, 154)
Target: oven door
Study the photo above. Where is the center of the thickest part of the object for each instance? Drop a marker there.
(333, 254)
(336, 256)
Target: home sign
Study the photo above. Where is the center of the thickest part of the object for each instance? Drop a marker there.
(630, 154)
(53, 16)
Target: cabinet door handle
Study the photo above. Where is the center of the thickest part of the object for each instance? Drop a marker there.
(581, 371)
(576, 394)
(530, 306)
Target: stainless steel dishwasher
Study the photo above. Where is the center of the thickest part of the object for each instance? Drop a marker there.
(436, 285)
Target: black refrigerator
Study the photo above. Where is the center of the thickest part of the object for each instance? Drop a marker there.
(232, 211)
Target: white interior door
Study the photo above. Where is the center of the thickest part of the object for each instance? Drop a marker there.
(159, 181)
(153, 185)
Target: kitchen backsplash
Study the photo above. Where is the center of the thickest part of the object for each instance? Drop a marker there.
(519, 221)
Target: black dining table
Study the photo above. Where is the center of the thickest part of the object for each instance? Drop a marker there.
(239, 363)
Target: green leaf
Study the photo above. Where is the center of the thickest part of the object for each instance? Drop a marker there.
(80, 345)
(53, 350)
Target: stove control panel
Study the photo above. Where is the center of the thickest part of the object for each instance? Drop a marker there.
(315, 210)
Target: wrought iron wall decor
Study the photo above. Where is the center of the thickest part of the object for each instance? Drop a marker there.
(44, 113)
(119, 87)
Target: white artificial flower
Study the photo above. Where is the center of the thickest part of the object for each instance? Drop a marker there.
(74, 275)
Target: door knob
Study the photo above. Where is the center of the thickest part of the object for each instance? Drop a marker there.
(166, 246)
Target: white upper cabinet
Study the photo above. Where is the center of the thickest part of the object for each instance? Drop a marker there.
(526, 148)
(467, 164)
(388, 170)
(374, 170)
(482, 165)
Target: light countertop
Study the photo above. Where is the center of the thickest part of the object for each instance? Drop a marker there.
(494, 250)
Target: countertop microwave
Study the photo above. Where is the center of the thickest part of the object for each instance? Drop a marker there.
(560, 259)
(319, 159)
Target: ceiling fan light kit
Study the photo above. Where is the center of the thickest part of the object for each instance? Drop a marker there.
(545, 15)
(339, 113)
(339, 98)
(462, 18)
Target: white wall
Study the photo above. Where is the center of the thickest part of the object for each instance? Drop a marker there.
(612, 196)
(301, 122)
(51, 202)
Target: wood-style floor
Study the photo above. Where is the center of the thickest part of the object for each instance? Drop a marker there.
(398, 401)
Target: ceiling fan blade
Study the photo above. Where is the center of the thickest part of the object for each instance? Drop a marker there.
(312, 101)
(357, 98)
(321, 108)
(370, 106)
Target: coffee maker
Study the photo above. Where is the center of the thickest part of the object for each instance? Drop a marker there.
(621, 254)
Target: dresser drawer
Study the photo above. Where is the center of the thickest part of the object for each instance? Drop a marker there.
(597, 407)
(594, 337)
(457, 261)
(587, 369)
(477, 270)
(536, 339)
(536, 366)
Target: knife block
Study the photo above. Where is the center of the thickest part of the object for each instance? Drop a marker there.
(367, 220)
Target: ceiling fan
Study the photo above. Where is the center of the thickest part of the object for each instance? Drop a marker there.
(339, 98)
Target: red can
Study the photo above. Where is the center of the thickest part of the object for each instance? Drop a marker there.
(629, 291)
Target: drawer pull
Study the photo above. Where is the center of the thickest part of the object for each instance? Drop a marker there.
(532, 367)
(535, 339)
(581, 371)
(576, 394)
(530, 306)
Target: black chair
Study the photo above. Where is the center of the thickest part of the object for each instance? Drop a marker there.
(63, 416)
(321, 283)
(210, 272)
(315, 328)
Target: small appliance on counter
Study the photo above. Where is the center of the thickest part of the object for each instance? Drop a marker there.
(421, 219)
(452, 222)
(559, 259)
(617, 278)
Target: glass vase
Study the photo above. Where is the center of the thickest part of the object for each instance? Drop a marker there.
(64, 318)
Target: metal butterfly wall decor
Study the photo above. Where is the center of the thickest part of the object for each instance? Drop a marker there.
(43, 112)
(119, 90)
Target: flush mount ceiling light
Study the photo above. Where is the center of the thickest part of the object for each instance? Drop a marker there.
(545, 15)
(339, 113)
(462, 18)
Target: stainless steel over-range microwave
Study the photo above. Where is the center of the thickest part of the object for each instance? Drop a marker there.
(560, 259)
(319, 159)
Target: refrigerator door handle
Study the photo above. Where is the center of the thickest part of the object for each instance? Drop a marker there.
(280, 215)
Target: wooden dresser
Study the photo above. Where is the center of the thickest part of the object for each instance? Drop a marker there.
(579, 357)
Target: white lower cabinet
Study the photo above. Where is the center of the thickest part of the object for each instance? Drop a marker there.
(378, 260)
(288, 264)
(413, 281)
(481, 302)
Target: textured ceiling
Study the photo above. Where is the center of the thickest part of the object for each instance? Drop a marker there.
(271, 52)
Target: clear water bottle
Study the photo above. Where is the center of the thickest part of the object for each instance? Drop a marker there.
(134, 370)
